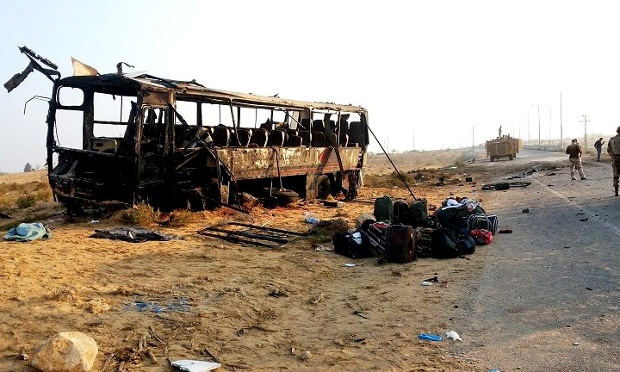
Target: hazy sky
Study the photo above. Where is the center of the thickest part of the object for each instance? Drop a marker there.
(427, 71)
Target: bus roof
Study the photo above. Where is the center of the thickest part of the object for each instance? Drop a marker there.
(117, 84)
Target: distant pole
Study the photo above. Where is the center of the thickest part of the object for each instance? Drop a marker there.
(538, 108)
(472, 139)
(550, 142)
(585, 121)
(528, 128)
(561, 133)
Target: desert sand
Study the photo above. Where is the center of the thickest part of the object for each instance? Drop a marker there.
(295, 307)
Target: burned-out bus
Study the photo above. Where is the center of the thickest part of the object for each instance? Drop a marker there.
(119, 139)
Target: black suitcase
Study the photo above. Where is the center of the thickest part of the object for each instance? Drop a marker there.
(402, 214)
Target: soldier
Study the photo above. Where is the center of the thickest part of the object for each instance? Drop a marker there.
(598, 145)
(613, 149)
(574, 157)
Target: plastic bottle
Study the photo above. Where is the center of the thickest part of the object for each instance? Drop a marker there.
(312, 220)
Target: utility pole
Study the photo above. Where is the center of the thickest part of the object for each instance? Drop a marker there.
(472, 139)
(561, 133)
(538, 107)
(528, 128)
(585, 122)
(550, 141)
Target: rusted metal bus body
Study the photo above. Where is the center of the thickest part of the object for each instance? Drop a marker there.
(177, 144)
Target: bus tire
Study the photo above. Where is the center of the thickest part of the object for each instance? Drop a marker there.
(323, 187)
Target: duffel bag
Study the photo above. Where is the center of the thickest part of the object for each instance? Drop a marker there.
(350, 245)
(481, 236)
(482, 221)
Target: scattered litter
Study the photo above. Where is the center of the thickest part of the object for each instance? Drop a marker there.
(322, 248)
(583, 219)
(576, 343)
(359, 313)
(348, 264)
(277, 293)
(25, 232)
(505, 185)
(506, 231)
(429, 337)
(195, 365)
(433, 279)
(92, 222)
(5, 216)
(526, 210)
(426, 283)
(305, 355)
(182, 304)
(312, 220)
(454, 336)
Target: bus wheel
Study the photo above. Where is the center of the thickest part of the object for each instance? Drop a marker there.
(323, 187)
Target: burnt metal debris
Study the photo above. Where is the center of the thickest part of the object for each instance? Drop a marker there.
(116, 140)
(242, 233)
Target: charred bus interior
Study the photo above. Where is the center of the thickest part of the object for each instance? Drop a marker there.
(118, 140)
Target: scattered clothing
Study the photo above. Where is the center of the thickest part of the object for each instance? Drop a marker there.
(26, 232)
(131, 234)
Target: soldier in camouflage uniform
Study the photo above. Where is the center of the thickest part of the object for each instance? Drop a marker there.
(613, 149)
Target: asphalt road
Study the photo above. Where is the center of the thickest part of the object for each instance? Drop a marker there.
(549, 296)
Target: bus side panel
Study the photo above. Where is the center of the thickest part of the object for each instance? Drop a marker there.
(261, 163)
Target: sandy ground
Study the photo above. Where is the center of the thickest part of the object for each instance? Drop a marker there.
(251, 308)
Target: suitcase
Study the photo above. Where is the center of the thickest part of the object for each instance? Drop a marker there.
(402, 214)
(401, 243)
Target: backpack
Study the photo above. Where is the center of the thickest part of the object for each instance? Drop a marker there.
(465, 244)
(350, 245)
(384, 209)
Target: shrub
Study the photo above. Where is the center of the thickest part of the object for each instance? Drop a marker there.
(141, 214)
(27, 201)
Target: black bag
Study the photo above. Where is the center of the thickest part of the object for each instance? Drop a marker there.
(384, 209)
(466, 245)
(443, 243)
(401, 243)
(418, 213)
(453, 218)
(345, 244)
(402, 214)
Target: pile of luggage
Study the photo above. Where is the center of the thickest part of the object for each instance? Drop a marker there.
(401, 232)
